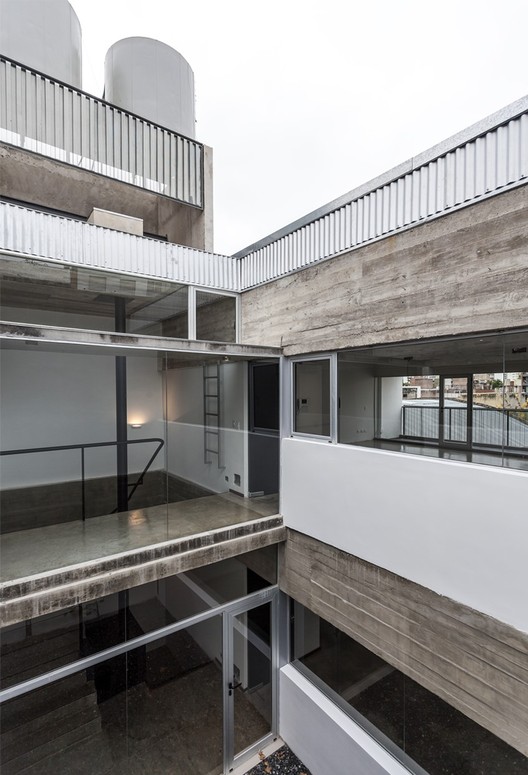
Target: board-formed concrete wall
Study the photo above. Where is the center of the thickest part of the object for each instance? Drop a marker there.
(474, 662)
(462, 272)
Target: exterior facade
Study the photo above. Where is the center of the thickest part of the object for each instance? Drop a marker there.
(272, 494)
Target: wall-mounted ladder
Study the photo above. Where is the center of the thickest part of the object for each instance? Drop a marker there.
(212, 419)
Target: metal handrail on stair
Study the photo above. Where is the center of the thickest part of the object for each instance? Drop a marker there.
(83, 447)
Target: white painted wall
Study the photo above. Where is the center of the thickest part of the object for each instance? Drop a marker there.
(391, 407)
(356, 396)
(54, 398)
(326, 740)
(456, 528)
(185, 432)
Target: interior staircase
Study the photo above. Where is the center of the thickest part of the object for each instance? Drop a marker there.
(55, 729)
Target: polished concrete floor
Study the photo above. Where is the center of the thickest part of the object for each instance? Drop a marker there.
(481, 457)
(30, 552)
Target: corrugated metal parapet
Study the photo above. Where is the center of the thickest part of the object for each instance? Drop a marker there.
(41, 235)
(51, 118)
(482, 161)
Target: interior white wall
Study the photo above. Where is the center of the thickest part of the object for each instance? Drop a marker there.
(356, 397)
(57, 398)
(185, 428)
(459, 529)
(391, 407)
(326, 740)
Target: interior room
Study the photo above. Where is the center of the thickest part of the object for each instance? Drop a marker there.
(460, 398)
(105, 449)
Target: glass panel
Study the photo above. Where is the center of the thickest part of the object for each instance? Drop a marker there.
(312, 397)
(265, 396)
(83, 466)
(76, 297)
(252, 695)
(35, 646)
(390, 398)
(456, 402)
(438, 737)
(157, 708)
(215, 317)
(67, 496)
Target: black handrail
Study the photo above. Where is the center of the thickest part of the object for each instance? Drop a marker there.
(82, 447)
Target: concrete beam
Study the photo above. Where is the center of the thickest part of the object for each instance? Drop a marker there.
(24, 599)
(12, 332)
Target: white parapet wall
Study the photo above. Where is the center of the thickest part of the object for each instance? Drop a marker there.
(459, 529)
(323, 736)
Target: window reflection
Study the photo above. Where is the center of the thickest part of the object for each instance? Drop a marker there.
(312, 397)
(463, 399)
(431, 732)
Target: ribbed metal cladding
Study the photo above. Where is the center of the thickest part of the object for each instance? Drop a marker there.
(45, 236)
(55, 120)
(490, 163)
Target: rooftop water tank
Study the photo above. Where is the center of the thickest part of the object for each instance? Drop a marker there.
(151, 79)
(44, 35)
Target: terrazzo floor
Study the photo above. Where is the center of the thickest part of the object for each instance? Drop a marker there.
(282, 762)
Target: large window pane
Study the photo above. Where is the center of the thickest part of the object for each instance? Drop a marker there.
(312, 397)
(215, 317)
(431, 732)
(460, 399)
(157, 708)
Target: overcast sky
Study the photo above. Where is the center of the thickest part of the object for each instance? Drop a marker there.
(303, 101)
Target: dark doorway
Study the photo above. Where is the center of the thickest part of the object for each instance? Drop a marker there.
(264, 437)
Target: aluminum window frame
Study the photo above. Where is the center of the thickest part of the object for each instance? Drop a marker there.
(333, 399)
(192, 309)
(228, 611)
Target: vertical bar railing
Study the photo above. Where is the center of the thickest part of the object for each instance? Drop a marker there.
(492, 427)
(51, 118)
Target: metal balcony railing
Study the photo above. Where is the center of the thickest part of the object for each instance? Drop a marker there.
(490, 427)
(82, 461)
(481, 161)
(49, 117)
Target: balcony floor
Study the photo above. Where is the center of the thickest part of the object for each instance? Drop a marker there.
(42, 550)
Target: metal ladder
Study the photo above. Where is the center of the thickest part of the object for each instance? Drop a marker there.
(212, 419)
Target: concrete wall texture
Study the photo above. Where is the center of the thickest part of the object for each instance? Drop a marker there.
(460, 273)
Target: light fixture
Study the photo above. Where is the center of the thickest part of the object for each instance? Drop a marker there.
(136, 425)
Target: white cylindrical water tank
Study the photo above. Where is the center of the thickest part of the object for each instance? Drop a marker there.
(153, 80)
(44, 35)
